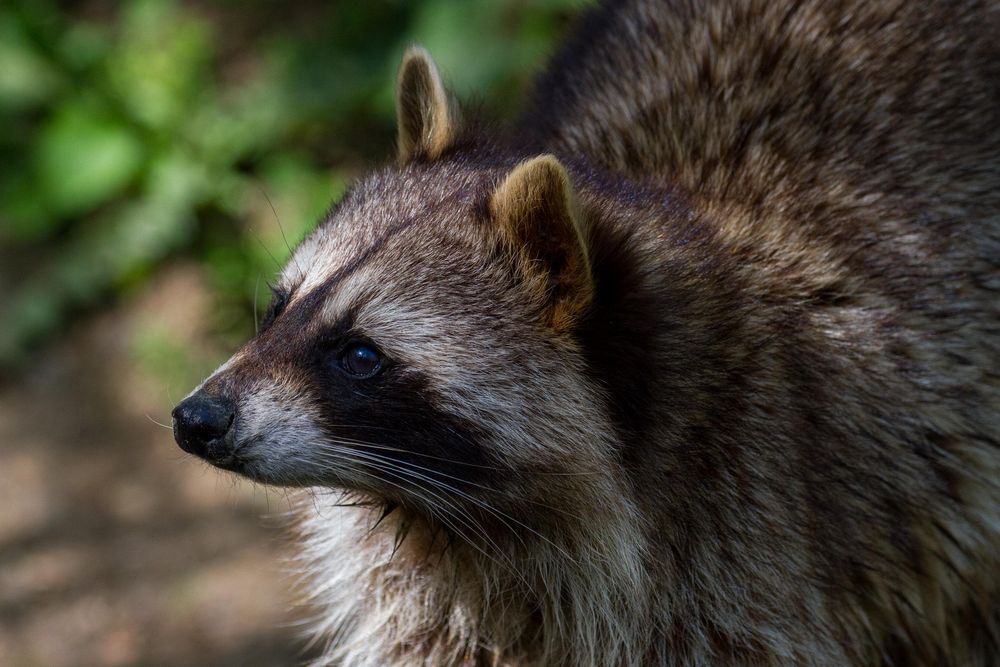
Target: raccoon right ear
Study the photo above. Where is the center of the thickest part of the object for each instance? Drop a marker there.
(427, 117)
(535, 209)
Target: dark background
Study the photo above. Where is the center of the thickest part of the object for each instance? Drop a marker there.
(157, 160)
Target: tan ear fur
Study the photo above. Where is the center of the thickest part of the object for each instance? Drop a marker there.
(427, 117)
(535, 208)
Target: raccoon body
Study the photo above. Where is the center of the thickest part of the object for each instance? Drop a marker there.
(701, 366)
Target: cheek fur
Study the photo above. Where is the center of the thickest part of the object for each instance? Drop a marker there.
(278, 436)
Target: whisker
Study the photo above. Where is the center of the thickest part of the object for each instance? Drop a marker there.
(373, 445)
(502, 516)
(281, 229)
(264, 246)
(161, 425)
(389, 467)
(256, 321)
(459, 479)
(277, 220)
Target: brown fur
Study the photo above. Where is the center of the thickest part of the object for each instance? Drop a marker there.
(714, 382)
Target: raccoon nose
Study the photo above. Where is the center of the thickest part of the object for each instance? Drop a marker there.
(201, 422)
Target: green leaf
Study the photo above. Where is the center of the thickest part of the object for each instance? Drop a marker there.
(24, 212)
(26, 79)
(159, 66)
(85, 158)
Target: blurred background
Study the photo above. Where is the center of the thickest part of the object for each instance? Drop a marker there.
(158, 159)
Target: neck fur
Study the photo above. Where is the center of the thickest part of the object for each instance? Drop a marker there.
(575, 597)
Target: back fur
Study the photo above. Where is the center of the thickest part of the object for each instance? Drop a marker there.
(847, 159)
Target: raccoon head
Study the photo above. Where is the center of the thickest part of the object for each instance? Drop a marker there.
(421, 347)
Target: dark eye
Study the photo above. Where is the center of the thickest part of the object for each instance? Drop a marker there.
(360, 360)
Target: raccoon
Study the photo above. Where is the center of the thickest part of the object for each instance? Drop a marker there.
(697, 365)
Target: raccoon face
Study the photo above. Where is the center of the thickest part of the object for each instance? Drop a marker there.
(420, 346)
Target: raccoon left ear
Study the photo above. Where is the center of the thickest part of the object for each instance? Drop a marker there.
(536, 211)
(427, 117)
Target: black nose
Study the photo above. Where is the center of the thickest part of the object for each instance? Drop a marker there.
(201, 423)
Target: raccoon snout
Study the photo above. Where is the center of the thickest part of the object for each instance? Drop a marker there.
(201, 423)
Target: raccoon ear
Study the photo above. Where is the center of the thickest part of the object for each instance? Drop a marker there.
(428, 118)
(535, 208)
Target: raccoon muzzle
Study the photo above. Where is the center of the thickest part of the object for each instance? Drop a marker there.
(201, 423)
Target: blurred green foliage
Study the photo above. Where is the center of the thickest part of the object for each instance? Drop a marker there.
(136, 133)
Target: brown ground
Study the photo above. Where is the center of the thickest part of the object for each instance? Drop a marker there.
(115, 547)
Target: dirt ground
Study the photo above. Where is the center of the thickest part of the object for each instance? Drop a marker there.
(115, 547)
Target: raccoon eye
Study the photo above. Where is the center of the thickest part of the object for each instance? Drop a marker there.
(361, 361)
